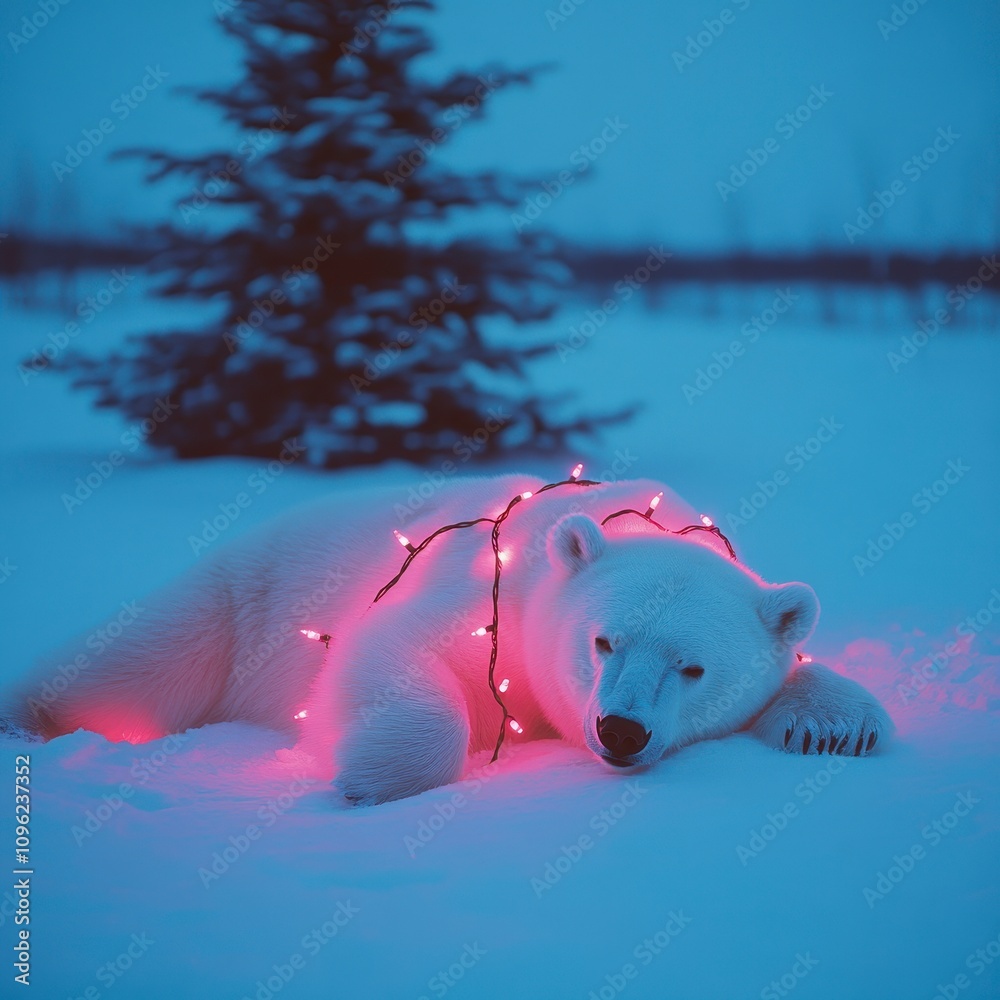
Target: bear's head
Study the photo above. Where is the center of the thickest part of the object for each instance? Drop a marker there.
(641, 643)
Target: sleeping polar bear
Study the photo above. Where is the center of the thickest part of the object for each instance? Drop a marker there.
(623, 639)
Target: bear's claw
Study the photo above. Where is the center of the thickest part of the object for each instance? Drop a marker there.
(818, 711)
(832, 745)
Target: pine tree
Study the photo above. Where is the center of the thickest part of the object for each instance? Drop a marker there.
(339, 326)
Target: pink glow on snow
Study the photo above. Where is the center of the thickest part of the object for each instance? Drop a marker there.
(920, 678)
(121, 724)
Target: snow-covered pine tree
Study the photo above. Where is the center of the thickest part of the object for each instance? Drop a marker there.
(339, 325)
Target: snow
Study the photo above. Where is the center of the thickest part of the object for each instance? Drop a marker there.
(548, 875)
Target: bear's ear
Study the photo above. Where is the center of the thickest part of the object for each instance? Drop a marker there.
(789, 612)
(575, 542)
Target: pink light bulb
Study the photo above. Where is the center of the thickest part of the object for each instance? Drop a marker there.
(309, 633)
(516, 726)
(577, 470)
(527, 495)
(707, 521)
(300, 715)
(480, 631)
(504, 684)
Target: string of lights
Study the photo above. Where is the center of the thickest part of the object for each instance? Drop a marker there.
(707, 524)
(493, 629)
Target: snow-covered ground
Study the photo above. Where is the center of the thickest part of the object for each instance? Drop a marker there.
(209, 865)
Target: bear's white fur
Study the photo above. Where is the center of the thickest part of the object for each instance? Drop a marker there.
(619, 623)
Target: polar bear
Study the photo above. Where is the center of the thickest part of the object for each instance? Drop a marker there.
(620, 637)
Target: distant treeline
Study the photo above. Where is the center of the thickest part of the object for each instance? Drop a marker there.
(28, 255)
(905, 271)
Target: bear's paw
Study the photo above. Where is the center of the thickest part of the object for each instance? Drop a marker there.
(819, 712)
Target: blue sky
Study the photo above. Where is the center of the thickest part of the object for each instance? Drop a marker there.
(687, 125)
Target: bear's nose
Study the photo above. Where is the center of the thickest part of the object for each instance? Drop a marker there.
(620, 736)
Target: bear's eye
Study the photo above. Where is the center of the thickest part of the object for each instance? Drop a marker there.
(693, 672)
(602, 645)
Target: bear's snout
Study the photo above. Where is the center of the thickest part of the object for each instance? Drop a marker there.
(622, 738)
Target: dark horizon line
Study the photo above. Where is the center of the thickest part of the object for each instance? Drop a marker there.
(29, 254)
